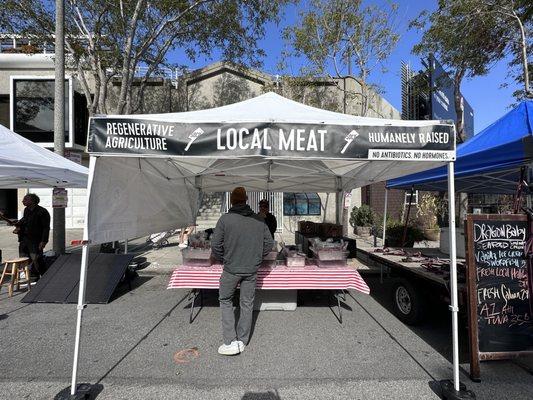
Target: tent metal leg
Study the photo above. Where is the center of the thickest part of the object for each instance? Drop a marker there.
(80, 307)
(82, 390)
(453, 272)
(529, 202)
(338, 207)
(385, 215)
(339, 201)
(455, 391)
(384, 231)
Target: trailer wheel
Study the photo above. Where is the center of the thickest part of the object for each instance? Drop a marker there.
(408, 303)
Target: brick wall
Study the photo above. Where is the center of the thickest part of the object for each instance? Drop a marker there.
(374, 196)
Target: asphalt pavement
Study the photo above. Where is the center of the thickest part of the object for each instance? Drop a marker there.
(141, 346)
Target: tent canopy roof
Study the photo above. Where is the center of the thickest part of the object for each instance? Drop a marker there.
(24, 164)
(268, 143)
(487, 163)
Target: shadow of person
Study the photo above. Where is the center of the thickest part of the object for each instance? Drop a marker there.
(261, 396)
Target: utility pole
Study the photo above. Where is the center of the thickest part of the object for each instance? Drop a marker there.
(59, 118)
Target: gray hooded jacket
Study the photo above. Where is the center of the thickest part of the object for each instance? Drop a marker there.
(240, 240)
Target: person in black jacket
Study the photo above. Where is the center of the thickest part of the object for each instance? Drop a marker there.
(269, 218)
(33, 230)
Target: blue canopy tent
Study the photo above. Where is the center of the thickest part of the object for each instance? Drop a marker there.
(490, 162)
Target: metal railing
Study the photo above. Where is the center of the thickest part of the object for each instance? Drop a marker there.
(162, 72)
(275, 200)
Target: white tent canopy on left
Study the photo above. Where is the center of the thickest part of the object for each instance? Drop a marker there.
(24, 164)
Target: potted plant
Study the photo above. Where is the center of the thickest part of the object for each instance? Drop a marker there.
(362, 219)
(395, 231)
(427, 212)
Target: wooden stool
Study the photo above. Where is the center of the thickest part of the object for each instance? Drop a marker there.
(17, 266)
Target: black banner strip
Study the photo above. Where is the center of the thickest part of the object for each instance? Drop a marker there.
(146, 137)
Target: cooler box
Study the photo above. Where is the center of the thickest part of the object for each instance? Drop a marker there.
(280, 300)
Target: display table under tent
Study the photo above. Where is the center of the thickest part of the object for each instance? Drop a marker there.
(336, 278)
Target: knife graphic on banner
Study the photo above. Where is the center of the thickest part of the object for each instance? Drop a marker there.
(193, 137)
(350, 137)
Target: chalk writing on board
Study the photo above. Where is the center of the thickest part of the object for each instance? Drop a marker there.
(504, 319)
(487, 231)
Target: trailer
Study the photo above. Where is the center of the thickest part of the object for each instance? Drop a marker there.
(416, 286)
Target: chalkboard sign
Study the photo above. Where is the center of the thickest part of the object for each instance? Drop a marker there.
(500, 317)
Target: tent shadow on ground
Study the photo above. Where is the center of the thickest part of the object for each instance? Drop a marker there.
(5, 296)
(123, 288)
(435, 330)
(436, 388)
(16, 309)
(144, 337)
(306, 298)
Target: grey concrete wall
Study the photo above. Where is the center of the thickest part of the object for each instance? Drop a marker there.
(221, 89)
(219, 84)
(6, 74)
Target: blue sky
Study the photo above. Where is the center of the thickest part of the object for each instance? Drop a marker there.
(484, 94)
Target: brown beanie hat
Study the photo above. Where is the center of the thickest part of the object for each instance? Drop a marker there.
(238, 196)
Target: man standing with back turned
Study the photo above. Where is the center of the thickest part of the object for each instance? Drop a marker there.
(240, 240)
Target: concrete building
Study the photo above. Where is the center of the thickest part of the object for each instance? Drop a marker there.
(26, 106)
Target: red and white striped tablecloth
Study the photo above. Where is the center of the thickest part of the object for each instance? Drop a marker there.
(279, 277)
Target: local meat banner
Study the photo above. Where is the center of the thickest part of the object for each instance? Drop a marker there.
(121, 136)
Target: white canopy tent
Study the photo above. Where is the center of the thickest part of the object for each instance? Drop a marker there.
(147, 172)
(24, 164)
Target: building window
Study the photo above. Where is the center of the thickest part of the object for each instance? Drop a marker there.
(301, 204)
(413, 198)
(81, 120)
(33, 109)
(4, 110)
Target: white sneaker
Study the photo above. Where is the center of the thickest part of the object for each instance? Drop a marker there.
(241, 345)
(229, 349)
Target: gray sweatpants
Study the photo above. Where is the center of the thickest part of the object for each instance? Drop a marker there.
(228, 284)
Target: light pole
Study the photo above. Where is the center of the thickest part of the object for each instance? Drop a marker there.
(59, 118)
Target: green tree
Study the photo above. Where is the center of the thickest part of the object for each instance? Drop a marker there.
(335, 34)
(109, 40)
(517, 16)
(470, 36)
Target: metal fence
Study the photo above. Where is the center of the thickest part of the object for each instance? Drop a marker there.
(275, 200)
